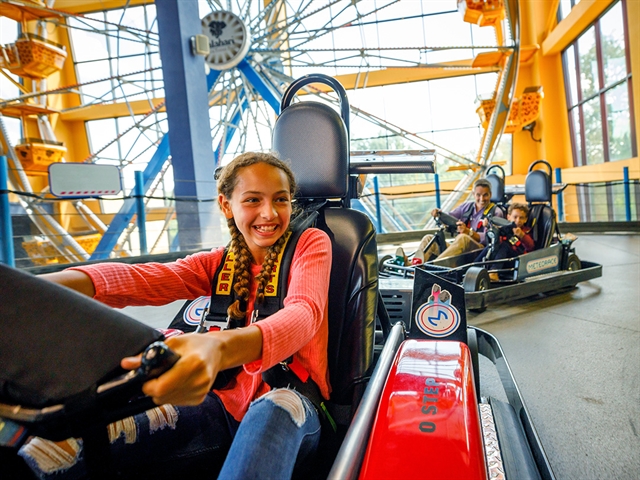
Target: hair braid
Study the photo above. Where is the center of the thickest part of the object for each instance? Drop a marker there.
(267, 267)
(241, 266)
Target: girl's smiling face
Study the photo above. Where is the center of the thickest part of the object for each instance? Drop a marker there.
(260, 206)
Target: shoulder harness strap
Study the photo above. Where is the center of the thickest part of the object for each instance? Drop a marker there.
(222, 295)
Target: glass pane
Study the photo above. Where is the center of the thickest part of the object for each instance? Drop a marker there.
(504, 153)
(593, 131)
(634, 190)
(598, 202)
(577, 142)
(618, 122)
(565, 8)
(101, 133)
(447, 30)
(8, 35)
(486, 84)
(613, 48)
(453, 103)
(87, 40)
(588, 63)
(570, 65)
(619, 209)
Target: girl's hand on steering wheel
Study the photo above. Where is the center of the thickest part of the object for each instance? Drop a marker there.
(190, 379)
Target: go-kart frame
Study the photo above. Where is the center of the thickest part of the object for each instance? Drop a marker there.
(545, 270)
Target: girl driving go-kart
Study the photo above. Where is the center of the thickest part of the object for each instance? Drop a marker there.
(246, 428)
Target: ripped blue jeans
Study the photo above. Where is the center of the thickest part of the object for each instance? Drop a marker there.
(276, 435)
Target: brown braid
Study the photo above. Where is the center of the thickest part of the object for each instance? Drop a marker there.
(242, 275)
(267, 267)
(227, 179)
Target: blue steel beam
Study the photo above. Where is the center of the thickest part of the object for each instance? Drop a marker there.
(211, 78)
(122, 219)
(261, 85)
(185, 86)
(230, 131)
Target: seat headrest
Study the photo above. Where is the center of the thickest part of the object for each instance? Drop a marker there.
(537, 187)
(497, 187)
(313, 138)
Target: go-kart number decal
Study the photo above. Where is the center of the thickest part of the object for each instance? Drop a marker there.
(429, 404)
(438, 318)
(542, 264)
(193, 313)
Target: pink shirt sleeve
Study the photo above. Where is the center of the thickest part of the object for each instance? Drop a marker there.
(302, 318)
(120, 285)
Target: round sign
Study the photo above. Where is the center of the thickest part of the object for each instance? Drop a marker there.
(437, 319)
(228, 39)
(193, 313)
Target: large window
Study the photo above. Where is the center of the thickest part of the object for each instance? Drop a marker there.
(599, 93)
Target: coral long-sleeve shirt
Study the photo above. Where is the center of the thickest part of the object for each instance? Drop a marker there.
(300, 328)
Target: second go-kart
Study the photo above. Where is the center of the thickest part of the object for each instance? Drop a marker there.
(551, 267)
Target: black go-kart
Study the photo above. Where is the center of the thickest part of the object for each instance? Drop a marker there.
(551, 267)
(409, 398)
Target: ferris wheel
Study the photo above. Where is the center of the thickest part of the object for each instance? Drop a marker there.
(255, 52)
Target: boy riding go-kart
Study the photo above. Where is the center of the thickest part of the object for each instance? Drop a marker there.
(500, 273)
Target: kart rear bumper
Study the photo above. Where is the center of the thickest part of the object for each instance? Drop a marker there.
(533, 285)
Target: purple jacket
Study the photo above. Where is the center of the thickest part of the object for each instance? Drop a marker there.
(466, 211)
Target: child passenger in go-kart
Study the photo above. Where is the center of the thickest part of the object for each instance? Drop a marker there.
(471, 230)
(245, 429)
(514, 240)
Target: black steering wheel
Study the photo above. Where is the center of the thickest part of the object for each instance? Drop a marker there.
(446, 219)
(449, 222)
(499, 221)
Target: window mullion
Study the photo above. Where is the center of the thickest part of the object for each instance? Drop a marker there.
(583, 136)
(627, 49)
(603, 102)
(583, 143)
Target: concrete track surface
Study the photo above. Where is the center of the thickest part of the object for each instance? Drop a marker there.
(576, 358)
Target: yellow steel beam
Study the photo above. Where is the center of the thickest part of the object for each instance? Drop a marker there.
(81, 6)
(390, 76)
(111, 110)
(581, 16)
(350, 81)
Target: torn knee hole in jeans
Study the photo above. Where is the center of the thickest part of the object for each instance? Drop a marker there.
(51, 456)
(161, 417)
(289, 401)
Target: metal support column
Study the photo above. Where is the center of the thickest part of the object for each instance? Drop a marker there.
(436, 181)
(185, 89)
(627, 194)
(141, 214)
(560, 196)
(376, 190)
(6, 238)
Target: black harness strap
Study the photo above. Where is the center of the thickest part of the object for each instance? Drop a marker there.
(466, 216)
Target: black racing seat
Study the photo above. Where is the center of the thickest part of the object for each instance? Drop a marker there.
(314, 138)
(542, 217)
(498, 195)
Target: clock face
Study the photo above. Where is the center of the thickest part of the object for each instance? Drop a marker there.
(228, 39)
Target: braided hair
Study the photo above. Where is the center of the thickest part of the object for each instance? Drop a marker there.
(227, 178)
